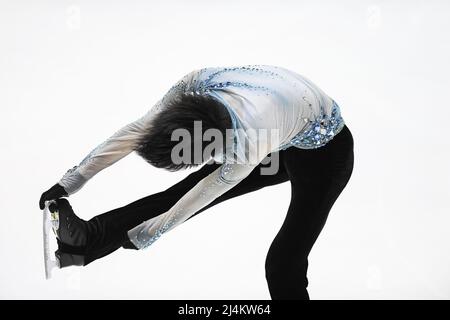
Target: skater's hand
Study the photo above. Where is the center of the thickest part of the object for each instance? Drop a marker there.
(55, 192)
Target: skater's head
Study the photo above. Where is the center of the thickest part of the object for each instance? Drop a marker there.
(187, 132)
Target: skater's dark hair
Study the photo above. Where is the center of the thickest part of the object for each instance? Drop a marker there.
(156, 145)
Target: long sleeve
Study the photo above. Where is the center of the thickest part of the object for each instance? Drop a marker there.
(120, 144)
(205, 191)
(117, 146)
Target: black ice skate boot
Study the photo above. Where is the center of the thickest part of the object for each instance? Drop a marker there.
(71, 230)
(71, 233)
(68, 259)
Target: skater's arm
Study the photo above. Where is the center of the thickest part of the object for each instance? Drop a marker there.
(117, 146)
(209, 188)
(120, 144)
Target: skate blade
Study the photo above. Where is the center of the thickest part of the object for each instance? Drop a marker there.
(50, 220)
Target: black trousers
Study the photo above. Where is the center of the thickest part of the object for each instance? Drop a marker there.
(317, 178)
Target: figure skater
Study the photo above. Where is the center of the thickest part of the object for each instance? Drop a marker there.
(249, 127)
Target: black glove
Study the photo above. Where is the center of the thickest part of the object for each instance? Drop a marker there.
(55, 192)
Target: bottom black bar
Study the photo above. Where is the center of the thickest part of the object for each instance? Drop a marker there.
(218, 309)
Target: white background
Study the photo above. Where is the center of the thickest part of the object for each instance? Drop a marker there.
(73, 72)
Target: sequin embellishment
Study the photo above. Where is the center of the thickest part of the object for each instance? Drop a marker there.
(318, 132)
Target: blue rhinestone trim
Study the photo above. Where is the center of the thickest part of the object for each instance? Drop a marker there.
(318, 132)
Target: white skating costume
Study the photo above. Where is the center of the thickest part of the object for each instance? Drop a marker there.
(257, 97)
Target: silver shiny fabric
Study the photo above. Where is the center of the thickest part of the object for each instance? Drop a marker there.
(259, 98)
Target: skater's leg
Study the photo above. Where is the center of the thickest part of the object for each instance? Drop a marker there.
(108, 231)
(317, 177)
(110, 228)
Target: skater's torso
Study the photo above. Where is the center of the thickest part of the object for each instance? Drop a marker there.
(269, 97)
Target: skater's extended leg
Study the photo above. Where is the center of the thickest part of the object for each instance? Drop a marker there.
(110, 228)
